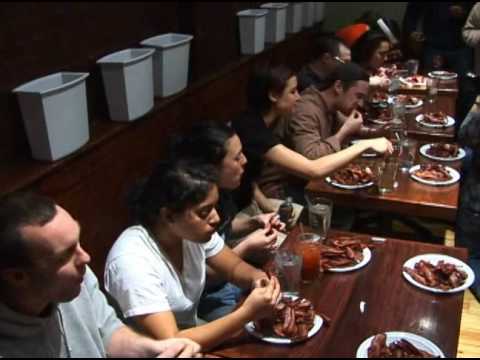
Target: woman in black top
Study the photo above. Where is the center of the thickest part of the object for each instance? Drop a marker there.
(272, 93)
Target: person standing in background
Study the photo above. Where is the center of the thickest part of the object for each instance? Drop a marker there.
(440, 24)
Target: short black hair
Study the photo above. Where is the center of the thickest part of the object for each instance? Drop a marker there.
(203, 143)
(17, 210)
(173, 184)
(364, 48)
(348, 74)
(263, 80)
(328, 44)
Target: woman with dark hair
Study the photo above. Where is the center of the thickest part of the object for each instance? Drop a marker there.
(156, 269)
(272, 94)
(371, 50)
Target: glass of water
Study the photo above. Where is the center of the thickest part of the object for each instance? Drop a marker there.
(288, 267)
(319, 214)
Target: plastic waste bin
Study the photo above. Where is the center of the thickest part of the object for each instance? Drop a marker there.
(276, 21)
(128, 81)
(252, 24)
(170, 62)
(294, 17)
(54, 111)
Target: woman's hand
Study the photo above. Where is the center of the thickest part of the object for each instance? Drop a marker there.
(261, 239)
(262, 300)
(380, 145)
(264, 221)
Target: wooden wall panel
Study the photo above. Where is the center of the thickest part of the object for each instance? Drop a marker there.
(93, 183)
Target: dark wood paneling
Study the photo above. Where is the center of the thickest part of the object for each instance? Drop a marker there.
(93, 182)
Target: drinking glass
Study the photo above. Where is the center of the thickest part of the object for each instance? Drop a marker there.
(288, 267)
(319, 214)
(412, 67)
(387, 174)
(308, 247)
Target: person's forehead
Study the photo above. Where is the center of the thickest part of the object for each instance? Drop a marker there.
(61, 232)
(234, 145)
(359, 87)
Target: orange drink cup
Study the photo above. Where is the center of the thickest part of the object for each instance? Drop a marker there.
(308, 247)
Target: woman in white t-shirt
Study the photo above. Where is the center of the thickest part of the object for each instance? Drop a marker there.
(157, 276)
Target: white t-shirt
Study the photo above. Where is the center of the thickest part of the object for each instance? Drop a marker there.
(143, 281)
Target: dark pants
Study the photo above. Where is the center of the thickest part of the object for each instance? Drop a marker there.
(467, 235)
(459, 60)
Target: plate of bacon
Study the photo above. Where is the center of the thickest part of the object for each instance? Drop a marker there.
(442, 152)
(435, 120)
(397, 344)
(379, 99)
(443, 75)
(438, 273)
(294, 321)
(352, 177)
(381, 116)
(434, 174)
(414, 82)
(411, 102)
(343, 254)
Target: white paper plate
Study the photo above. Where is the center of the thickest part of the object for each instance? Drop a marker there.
(367, 256)
(392, 336)
(274, 339)
(453, 173)
(443, 75)
(450, 122)
(347, 187)
(434, 259)
(426, 147)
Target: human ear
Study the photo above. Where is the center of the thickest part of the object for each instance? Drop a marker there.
(167, 215)
(272, 97)
(14, 277)
(338, 87)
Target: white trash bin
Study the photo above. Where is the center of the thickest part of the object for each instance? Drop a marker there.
(308, 14)
(294, 17)
(276, 21)
(252, 25)
(54, 111)
(170, 62)
(128, 81)
(319, 12)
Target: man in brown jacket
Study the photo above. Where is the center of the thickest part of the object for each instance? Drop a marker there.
(321, 122)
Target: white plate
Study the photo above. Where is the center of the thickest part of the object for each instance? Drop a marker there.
(408, 107)
(453, 173)
(392, 336)
(426, 147)
(367, 255)
(434, 259)
(273, 339)
(450, 122)
(443, 75)
(347, 187)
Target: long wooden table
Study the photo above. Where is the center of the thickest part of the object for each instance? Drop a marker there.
(410, 198)
(391, 304)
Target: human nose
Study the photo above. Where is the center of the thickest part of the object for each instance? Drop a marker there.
(83, 258)
(214, 218)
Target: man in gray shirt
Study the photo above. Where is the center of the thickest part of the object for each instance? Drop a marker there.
(50, 302)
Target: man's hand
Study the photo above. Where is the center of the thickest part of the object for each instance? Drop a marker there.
(350, 124)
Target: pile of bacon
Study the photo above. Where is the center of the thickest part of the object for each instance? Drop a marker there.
(387, 71)
(379, 97)
(435, 118)
(433, 172)
(342, 251)
(353, 174)
(408, 100)
(293, 319)
(443, 150)
(396, 349)
(381, 115)
(443, 276)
